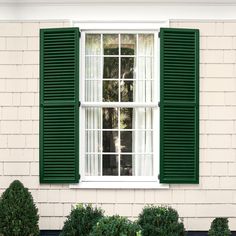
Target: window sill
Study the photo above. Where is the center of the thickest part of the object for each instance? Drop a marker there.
(119, 185)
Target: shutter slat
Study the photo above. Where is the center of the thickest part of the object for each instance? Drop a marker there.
(59, 114)
(179, 106)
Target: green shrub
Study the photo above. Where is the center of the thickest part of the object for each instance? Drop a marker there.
(18, 213)
(160, 221)
(219, 227)
(81, 220)
(115, 226)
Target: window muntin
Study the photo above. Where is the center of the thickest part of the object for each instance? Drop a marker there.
(119, 69)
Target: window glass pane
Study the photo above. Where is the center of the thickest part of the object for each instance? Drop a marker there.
(127, 68)
(93, 91)
(145, 68)
(142, 141)
(126, 90)
(110, 91)
(92, 67)
(93, 44)
(143, 91)
(146, 44)
(110, 164)
(110, 141)
(143, 165)
(126, 138)
(142, 118)
(128, 44)
(126, 118)
(126, 165)
(93, 118)
(93, 141)
(111, 68)
(111, 44)
(110, 118)
(93, 165)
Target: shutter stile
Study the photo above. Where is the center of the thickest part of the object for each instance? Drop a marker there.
(179, 131)
(59, 114)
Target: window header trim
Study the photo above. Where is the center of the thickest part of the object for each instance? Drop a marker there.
(121, 25)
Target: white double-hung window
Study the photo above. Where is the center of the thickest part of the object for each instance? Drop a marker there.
(119, 106)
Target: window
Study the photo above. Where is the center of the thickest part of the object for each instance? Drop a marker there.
(114, 127)
(119, 103)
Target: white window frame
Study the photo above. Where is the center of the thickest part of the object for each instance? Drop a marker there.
(126, 182)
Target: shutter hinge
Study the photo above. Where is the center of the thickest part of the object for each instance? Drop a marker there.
(158, 176)
(159, 104)
(79, 103)
(159, 34)
(79, 34)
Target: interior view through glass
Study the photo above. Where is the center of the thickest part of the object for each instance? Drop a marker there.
(119, 69)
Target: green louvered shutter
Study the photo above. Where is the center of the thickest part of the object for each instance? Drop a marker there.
(179, 106)
(59, 105)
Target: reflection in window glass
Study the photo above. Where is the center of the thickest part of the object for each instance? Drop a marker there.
(111, 44)
(128, 44)
(110, 118)
(110, 141)
(126, 141)
(111, 68)
(110, 165)
(110, 91)
(126, 118)
(126, 165)
(126, 90)
(127, 67)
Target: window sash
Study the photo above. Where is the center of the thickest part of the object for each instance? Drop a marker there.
(154, 104)
(119, 104)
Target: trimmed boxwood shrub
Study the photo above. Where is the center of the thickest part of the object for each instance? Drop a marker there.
(18, 213)
(160, 221)
(115, 226)
(81, 220)
(219, 227)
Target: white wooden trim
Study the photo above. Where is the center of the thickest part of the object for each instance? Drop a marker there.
(121, 25)
(118, 104)
(119, 185)
(125, 2)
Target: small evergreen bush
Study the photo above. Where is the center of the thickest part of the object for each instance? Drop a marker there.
(219, 227)
(81, 220)
(115, 226)
(160, 221)
(18, 213)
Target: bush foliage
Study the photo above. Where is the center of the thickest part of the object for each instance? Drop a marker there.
(81, 220)
(219, 227)
(115, 226)
(18, 213)
(160, 221)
